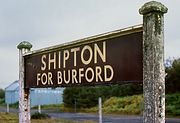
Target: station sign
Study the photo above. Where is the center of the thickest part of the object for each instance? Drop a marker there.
(110, 58)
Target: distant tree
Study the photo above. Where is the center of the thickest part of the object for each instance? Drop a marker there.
(2, 93)
(83, 96)
(86, 97)
(173, 77)
(69, 96)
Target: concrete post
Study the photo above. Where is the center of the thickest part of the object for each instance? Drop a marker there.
(39, 108)
(75, 103)
(24, 97)
(7, 110)
(100, 109)
(153, 62)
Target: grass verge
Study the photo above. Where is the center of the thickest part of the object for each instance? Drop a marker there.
(131, 105)
(13, 118)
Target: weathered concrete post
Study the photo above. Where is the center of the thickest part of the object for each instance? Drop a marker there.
(100, 109)
(7, 108)
(24, 97)
(153, 62)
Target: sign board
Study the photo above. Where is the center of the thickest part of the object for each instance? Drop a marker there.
(114, 57)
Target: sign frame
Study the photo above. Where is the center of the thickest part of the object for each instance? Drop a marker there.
(114, 55)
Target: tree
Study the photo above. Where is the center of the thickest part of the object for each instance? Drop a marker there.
(173, 77)
(86, 97)
(2, 93)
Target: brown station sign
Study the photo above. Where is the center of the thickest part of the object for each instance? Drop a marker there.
(114, 57)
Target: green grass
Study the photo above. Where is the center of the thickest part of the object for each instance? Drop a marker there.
(51, 107)
(124, 105)
(121, 105)
(134, 105)
(38, 115)
(8, 118)
(14, 105)
(13, 118)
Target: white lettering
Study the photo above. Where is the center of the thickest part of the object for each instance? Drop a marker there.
(38, 78)
(97, 50)
(44, 78)
(74, 74)
(59, 77)
(81, 74)
(59, 60)
(74, 50)
(53, 60)
(43, 62)
(90, 54)
(98, 74)
(66, 57)
(68, 76)
(89, 69)
(106, 78)
(50, 78)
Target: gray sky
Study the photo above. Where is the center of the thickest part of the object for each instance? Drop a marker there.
(46, 23)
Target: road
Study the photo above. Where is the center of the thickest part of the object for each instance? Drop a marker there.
(106, 118)
(94, 117)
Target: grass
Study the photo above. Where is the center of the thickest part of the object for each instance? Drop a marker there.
(60, 121)
(133, 105)
(13, 118)
(115, 105)
(121, 105)
(38, 115)
(49, 107)
(124, 105)
(8, 118)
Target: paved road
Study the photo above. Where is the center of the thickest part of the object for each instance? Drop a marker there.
(94, 117)
(106, 119)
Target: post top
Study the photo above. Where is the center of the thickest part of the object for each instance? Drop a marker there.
(153, 6)
(24, 44)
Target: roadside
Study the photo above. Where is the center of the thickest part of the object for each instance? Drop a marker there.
(107, 118)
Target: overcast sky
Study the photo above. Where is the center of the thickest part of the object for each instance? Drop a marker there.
(46, 23)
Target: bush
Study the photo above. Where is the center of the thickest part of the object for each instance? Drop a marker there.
(173, 104)
(86, 97)
(121, 105)
(83, 97)
(132, 105)
(2, 101)
(14, 105)
(2, 93)
(124, 105)
(173, 77)
(38, 115)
